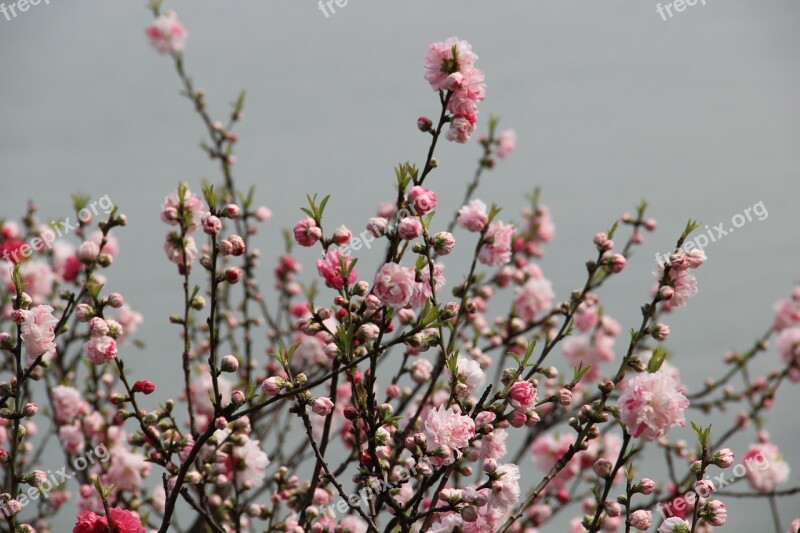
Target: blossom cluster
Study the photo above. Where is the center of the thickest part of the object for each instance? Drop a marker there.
(417, 382)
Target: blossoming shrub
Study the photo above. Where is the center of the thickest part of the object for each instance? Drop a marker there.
(426, 447)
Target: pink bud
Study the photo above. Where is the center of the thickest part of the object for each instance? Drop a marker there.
(342, 235)
(232, 211)
(322, 406)
(233, 274)
(212, 225)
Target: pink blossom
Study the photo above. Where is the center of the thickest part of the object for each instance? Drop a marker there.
(72, 438)
(167, 34)
(322, 406)
(505, 490)
(535, 297)
(522, 396)
(443, 243)
(409, 229)
(180, 252)
(473, 217)
(788, 345)
(193, 208)
(448, 432)
(496, 249)
(330, 268)
(787, 314)
(461, 128)
(683, 284)
(766, 467)
(111, 247)
(100, 350)
(306, 232)
(88, 522)
(127, 469)
(546, 452)
(506, 142)
(126, 521)
(471, 89)
(251, 464)
(641, 519)
(342, 235)
(652, 404)
(469, 373)
(422, 288)
(421, 200)
(394, 285)
(674, 525)
(421, 370)
(38, 331)
(68, 403)
(444, 58)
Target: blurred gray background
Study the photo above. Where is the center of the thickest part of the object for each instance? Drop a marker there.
(698, 114)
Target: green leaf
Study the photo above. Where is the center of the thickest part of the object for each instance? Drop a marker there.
(580, 371)
(656, 360)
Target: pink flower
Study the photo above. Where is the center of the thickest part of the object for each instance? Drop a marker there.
(496, 249)
(787, 314)
(422, 288)
(394, 285)
(72, 438)
(182, 253)
(111, 247)
(444, 58)
(469, 90)
(272, 386)
(99, 350)
(765, 466)
(88, 522)
(167, 34)
(473, 217)
(469, 373)
(421, 371)
(342, 235)
(306, 232)
(251, 464)
(683, 284)
(443, 243)
(68, 404)
(522, 396)
(409, 229)
(789, 347)
(794, 527)
(535, 297)
(126, 521)
(461, 128)
(652, 404)
(421, 200)
(674, 525)
(506, 142)
(127, 469)
(505, 490)
(322, 406)
(547, 450)
(714, 513)
(642, 520)
(193, 208)
(448, 432)
(330, 268)
(39, 331)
